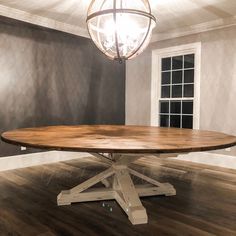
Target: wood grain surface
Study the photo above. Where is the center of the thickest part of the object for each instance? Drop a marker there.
(119, 139)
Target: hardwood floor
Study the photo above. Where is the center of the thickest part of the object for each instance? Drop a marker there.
(205, 203)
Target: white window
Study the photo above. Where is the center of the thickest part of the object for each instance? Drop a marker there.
(176, 86)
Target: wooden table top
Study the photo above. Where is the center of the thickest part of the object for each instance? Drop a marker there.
(119, 139)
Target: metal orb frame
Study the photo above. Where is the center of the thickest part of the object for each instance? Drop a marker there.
(116, 11)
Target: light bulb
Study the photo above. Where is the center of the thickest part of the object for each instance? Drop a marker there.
(122, 32)
(127, 31)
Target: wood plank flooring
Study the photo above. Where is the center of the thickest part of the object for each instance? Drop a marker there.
(205, 203)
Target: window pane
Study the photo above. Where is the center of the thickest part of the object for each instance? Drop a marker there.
(175, 107)
(164, 121)
(187, 122)
(177, 91)
(188, 90)
(166, 63)
(176, 77)
(189, 61)
(187, 107)
(177, 62)
(165, 91)
(164, 107)
(188, 76)
(165, 78)
(175, 121)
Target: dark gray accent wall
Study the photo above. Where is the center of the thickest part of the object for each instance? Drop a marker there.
(49, 78)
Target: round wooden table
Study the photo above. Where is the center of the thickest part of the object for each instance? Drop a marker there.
(119, 146)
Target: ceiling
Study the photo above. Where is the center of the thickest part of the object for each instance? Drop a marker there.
(170, 14)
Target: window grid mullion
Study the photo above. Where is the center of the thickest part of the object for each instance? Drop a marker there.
(176, 99)
(171, 81)
(192, 68)
(181, 108)
(164, 85)
(176, 114)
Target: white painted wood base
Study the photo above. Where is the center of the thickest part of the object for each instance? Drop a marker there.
(118, 186)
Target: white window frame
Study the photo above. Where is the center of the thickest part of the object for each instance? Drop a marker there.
(157, 55)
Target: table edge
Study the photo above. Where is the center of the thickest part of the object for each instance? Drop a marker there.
(113, 150)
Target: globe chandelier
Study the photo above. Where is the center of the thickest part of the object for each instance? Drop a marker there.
(121, 29)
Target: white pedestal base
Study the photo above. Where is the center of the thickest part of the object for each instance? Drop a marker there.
(121, 188)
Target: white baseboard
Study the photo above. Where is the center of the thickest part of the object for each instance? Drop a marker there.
(208, 158)
(34, 159)
(40, 158)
